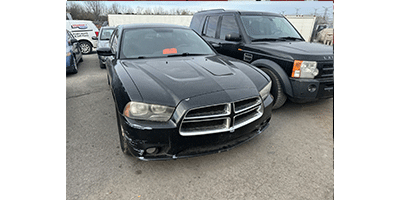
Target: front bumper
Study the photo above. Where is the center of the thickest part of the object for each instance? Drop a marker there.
(165, 137)
(305, 90)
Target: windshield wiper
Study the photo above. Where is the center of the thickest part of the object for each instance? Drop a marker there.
(264, 39)
(289, 38)
(275, 39)
(185, 54)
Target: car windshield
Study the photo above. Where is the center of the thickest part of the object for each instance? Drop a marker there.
(260, 27)
(162, 42)
(106, 34)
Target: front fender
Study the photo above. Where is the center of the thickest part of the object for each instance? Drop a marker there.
(123, 88)
(284, 79)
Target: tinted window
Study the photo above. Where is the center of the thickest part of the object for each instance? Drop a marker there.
(259, 26)
(228, 25)
(161, 42)
(211, 26)
(195, 23)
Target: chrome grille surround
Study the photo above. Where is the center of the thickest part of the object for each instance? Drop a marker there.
(221, 117)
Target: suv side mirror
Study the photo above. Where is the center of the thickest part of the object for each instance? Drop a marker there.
(233, 37)
(104, 51)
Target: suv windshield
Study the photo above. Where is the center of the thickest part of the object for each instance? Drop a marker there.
(162, 42)
(106, 34)
(262, 27)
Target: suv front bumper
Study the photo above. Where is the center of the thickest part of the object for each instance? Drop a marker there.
(305, 90)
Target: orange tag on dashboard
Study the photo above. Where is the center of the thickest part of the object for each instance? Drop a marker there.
(169, 51)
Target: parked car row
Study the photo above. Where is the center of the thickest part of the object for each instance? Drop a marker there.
(182, 92)
(74, 53)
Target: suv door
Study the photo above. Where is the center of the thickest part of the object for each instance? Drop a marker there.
(229, 25)
(209, 32)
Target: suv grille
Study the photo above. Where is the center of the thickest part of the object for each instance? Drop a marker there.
(221, 117)
(325, 70)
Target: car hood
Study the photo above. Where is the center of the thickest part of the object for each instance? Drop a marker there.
(167, 81)
(296, 50)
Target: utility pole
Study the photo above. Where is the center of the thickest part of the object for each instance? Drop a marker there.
(297, 11)
(326, 10)
(315, 11)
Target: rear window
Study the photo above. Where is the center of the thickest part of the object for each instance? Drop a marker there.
(106, 34)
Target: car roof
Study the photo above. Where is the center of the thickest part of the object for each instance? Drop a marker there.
(239, 12)
(108, 27)
(151, 25)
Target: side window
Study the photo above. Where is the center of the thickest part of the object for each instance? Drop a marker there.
(210, 28)
(228, 25)
(195, 23)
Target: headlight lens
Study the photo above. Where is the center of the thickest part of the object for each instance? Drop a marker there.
(265, 91)
(151, 112)
(304, 69)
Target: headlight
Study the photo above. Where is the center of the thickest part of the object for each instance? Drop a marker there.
(151, 112)
(265, 91)
(304, 69)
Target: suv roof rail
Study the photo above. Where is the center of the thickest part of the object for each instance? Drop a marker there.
(221, 9)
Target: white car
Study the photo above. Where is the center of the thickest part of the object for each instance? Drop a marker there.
(85, 32)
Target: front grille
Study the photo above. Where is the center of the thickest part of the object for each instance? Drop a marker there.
(209, 111)
(325, 70)
(221, 117)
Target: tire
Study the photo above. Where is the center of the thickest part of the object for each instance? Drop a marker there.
(75, 69)
(276, 89)
(85, 46)
(102, 66)
(122, 139)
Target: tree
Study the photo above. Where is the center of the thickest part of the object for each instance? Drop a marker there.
(115, 8)
(96, 8)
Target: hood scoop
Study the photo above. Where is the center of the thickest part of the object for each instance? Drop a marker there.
(217, 67)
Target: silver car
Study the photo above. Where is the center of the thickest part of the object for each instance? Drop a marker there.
(103, 41)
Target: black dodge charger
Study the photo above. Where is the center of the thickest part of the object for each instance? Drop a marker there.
(175, 97)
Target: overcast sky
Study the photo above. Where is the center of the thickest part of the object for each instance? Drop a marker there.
(289, 8)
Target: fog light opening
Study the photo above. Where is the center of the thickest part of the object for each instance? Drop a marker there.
(312, 88)
(151, 150)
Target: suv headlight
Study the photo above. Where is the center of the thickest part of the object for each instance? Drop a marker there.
(265, 91)
(304, 69)
(151, 112)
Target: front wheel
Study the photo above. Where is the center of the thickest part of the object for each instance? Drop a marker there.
(121, 133)
(276, 89)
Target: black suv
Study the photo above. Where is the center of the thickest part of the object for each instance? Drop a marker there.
(299, 70)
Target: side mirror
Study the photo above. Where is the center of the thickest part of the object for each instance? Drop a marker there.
(233, 37)
(104, 51)
(215, 45)
(94, 38)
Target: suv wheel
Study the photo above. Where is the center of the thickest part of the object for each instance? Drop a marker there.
(86, 47)
(276, 90)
